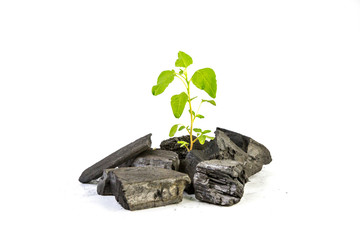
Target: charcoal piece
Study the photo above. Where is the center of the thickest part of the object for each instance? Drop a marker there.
(138, 188)
(219, 182)
(157, 158)
(227, 149)
(172, 145)
(249, 145)
(240, 140)
(103, 186)
(117, 158)
(259, 152)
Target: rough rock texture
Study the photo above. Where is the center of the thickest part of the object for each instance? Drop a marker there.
(103, 186)
(117, 158)
(146, 187)
(219, 182)
(157, 158)
(172, 145)
(251, 154)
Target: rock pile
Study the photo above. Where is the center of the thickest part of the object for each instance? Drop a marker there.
(140, 177)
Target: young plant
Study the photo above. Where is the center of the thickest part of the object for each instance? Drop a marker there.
(204, 79)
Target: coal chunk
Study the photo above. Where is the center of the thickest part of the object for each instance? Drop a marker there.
(138, 188)
(121, 156)
(157, 158)
(172, 145)
(219, 182)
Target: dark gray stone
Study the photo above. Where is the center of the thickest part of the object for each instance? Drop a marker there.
(157, 158)
(103, 186)
(121, 156)
(138, 188)
(219, 182)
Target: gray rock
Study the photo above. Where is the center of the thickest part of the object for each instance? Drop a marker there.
(103, 186)
(121, 156)
(219, 182)
(138, 188)
(157, 158)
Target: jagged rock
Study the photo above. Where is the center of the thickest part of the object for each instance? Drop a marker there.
(157, 158)
(172, 145)
(219, 182)
(146, 187)
(103, 186)
(249, 145)
(121, 156)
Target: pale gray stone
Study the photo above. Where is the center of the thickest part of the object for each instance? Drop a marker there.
(146, 187)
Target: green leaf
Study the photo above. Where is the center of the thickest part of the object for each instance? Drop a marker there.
(183, 143)
(178, 103)
(199, 116)
(206, 131)
(209, 101)
(181, 128)
(212, 138)
(193, 98)
(181, 72)
(193, 113)
(183, 60)
(173, 130)
(202, 139)
(164, 79)
(197, 130)
(205, 79)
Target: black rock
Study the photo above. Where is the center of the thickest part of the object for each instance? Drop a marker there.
(146, 187)
(172, 145)
(219, 182)
(157, 158)
(121, 156)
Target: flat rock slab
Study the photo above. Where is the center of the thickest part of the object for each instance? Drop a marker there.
(120, 157)
(138, 188)
(157, 158)
(219, 182)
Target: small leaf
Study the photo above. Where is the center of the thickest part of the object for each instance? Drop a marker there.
(206, 131)
(209, 101)
(183, 60)
(181, 72)
(212, 138)
(178, 103)
(205, 79)
(193, 113)
(197, 130)
(183, 142)
(164, 79)
(202, 139)
(173, 130)
(199, 116)
(193, 98)
(181, 128)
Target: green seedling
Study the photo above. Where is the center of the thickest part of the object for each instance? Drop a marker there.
(204, 79)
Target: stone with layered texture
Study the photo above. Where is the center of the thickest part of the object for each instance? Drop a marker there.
(138, 188)
(157, 158)
(219, 182)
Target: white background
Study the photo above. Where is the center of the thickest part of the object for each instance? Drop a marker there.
(76, 80)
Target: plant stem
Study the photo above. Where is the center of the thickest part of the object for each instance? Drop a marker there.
(191, 115)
